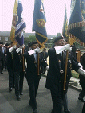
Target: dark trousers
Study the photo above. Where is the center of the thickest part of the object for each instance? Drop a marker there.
(83, 110)
(11, 78)
(17, 85)
(65, 102)
(56, 98)
(82, 94)
(33, 86)
(1, 66)
(21, 81)
(0, 69)
(82, 83)
(43, 68)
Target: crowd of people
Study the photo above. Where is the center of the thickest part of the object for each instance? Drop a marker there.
(32, 63)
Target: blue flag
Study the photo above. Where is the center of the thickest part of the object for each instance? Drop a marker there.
(20, 25)
(77, 20)
(39, 22)
(65, 26)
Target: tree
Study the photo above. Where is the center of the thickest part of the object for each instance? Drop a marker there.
(58, 34)
(31, 38)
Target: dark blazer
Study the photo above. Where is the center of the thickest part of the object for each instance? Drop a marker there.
(82, 78)
(1, 56)
(17, 61)
(54, 77)
(31, 66)
(9, 59)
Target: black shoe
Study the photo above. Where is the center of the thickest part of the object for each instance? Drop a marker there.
(1, 73)
(81, 99)
(35, 111)
(18, 98)
(67, 111)
(10, 89)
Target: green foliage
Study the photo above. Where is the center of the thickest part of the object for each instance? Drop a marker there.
(26, 40)
(31, 38)
(58, 34)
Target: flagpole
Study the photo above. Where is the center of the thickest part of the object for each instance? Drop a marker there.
(66, 64)
(65, 34)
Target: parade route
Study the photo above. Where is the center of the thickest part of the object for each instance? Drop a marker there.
(9, 104)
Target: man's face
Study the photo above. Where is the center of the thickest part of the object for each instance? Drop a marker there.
(34, 46)
(1, 45)
(60, 42)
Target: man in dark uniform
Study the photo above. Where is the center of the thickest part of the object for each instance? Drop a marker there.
(17, 68)
(56, 73)
(83, 110)
(2, 57)
(22, 72)
(32, 75)
(27, 48)
(9, 62)
(43, 56)
(82, 80)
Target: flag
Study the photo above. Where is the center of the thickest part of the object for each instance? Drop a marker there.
(18, 24)
(77, 20)
(39, 22)
(65, 26)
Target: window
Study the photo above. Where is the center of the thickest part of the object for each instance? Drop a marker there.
(6, 38)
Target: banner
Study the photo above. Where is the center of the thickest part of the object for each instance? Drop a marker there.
(77, 20)
(18, 25)
(39, 22)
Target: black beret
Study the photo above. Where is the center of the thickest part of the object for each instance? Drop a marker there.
(1, 42)
(58, 38)
(6, 44)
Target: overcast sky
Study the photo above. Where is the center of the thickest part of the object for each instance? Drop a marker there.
(54, 12)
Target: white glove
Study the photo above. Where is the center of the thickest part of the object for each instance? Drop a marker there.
(37, 50)
(31, 52)
(81, 71)
(47, 68)
(11, 49)
(67, 47)
(18, 49)
(14, 46)
(70, 48)
(59, 49)
(79, 64)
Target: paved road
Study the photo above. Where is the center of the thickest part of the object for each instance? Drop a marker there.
(9, 104)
